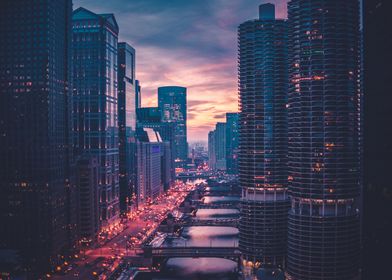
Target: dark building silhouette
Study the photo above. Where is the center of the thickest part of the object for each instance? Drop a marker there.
(211, 150)
(87, 170)
(173, 106)
(232, 120)
(36, 187)
(377, 193)
(95, 98)
(138, 94)
(325, 138)
(263, 84)
(127, 104)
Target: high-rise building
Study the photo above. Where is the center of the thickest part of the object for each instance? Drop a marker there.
(151, 117)
(88, 211)
(324, 133)
(150, 165)
(95, 99)
(172, 102)
(263, 84)
(220, 145)
(35, 166)
(232, 143)
(211, 150)
(127, 104)
(138, 94)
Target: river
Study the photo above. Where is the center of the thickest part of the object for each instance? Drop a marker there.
(203, 236)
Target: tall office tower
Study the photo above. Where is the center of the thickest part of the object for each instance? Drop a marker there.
(95, 103)
(138, 94)
(232, 143)
(151, 117)
(34, 134)
(324, 140)
(211, 150)
(150, 151)
(220, 145)
(172, 102)
(263, 83)
(127, 100)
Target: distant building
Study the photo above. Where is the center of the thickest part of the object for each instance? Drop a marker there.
(220, 146)
(151, 117)
(232, 143)
(36, 185)
(88, 209)
(95, 102)
(138, 94)
(127, 104)
(152, 169)
(217, 147)
(173, 106)
(211, 150)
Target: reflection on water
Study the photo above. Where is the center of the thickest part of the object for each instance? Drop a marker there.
(220, 199)
(205, 236)
(207, 214)
(200, 268)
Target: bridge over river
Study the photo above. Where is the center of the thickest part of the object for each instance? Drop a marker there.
(192, 252)
(232, 222)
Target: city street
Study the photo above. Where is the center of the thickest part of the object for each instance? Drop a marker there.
(97, 263)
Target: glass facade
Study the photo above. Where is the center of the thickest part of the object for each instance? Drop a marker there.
(126, 123)
(95, 117)
(172, 102)
(324, 140)
(263, 84)
(34, 134)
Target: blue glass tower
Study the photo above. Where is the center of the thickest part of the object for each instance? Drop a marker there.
(95, 98)
(324, 140)
(172, 102)
(263, 84)
(127, 104)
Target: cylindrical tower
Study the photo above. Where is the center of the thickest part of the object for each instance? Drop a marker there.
(263, 83)
(324, 140)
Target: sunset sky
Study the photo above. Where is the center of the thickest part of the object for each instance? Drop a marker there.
(190, 43)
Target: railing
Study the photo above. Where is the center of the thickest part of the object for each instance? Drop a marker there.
(228, 252)
(217, 222)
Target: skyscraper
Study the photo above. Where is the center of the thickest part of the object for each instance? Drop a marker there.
(232, 143)
(127, 104)
(172, 102)
(95, 102)
(151, 164)
(324, 140)
(263, 83)
(138, 94)
(34, 134)
(220, 145)
(151, 117)
(211, 150)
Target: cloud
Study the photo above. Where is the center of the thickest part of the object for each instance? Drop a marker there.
(191, 43)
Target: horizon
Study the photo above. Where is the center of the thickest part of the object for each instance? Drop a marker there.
(168, 52)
